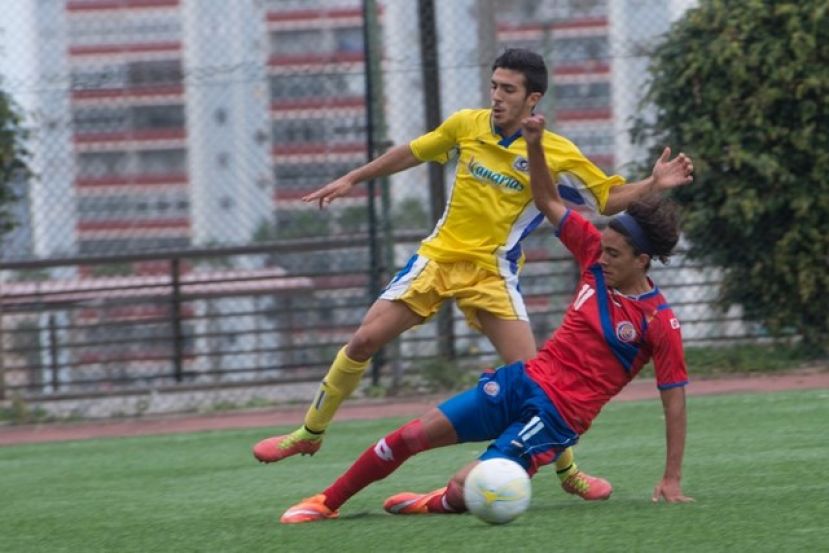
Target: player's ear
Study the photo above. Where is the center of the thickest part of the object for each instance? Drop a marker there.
(533, 98)
(643, 261)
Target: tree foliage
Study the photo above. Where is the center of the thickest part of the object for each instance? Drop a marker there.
(12, 158)
(743, 87)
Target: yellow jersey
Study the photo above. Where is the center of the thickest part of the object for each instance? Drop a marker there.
(490, 209)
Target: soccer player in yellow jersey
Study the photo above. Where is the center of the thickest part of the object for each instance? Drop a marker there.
(474, 253)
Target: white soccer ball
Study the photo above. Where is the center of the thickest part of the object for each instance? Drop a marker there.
(497, 490)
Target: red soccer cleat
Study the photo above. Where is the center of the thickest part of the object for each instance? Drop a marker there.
(589, 488)
(271, 450)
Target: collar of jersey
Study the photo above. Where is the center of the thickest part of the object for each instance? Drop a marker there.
(505, 141)
(643, 296)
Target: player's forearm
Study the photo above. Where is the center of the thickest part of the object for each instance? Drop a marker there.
(393, 161)
(545, 192)
(673, 403)
(621, 197)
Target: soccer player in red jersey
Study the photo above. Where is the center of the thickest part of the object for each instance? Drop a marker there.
(474, 255)
(534, 410)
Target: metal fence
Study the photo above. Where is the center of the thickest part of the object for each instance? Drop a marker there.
(199, 331)
(162, 243)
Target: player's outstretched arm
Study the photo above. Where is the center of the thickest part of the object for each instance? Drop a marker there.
(545, 192)
(669, 488)
(667, 174)
(393, 161)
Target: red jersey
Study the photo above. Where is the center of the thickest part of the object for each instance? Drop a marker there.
(606, 337)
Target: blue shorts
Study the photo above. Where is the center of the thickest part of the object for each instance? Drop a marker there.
(509, 407)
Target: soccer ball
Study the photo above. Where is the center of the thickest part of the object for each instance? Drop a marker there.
(497, 490)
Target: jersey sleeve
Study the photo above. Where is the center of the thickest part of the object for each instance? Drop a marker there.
(668, 354)
(581, 184)
(436, 145)
(580, 237)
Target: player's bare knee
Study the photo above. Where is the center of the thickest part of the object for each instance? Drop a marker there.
(362, 346)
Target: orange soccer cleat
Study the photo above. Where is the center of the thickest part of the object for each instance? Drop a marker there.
(409, 503)
(308, 510)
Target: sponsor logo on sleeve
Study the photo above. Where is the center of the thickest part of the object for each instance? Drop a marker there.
(492, 388)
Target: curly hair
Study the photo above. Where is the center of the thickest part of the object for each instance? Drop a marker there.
(658, 218)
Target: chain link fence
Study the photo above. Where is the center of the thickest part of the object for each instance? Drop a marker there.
(163, 258)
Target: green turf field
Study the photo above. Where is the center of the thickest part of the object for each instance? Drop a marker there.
(758, 466)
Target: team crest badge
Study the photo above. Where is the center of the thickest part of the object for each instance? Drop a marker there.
(521, 164)
(626, 332)
(492, 388)
(674, 323)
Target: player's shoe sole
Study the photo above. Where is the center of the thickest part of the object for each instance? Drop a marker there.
(312, 509)
(409, 503)
(271, 450)
(589, 488)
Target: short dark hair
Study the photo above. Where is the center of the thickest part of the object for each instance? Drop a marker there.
(658, 217)
(529, 64)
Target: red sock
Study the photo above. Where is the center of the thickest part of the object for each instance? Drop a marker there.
(451, 501)
(377, 462)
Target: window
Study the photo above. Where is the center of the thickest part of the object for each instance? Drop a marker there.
(124, 28)
(302, 175)
(102, 207)
(101, 120)
(137, 244)
(293, 131)
(167, 204)
(349, 40)
(102, 164)
(162, 162)
(582, 96)
(281, 5)
(102, 77)
(592, 48)
(523, 11)
(593, 141)
(323, 85)
(140, 73)
(344, 40)
(119, 164)
(337, 130)
(121, 119)
(158, 117)
(292, 43)
(148, 73)
(536, 45)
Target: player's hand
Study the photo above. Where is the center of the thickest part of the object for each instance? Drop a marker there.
(670, 173)
(669, 490)
(532, 128)
(329, 192)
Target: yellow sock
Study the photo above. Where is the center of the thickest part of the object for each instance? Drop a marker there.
(565, 465)
(342, 379)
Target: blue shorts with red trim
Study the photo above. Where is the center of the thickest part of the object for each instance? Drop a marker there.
(507, 406)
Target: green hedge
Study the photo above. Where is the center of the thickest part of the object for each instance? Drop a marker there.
(743, 87)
